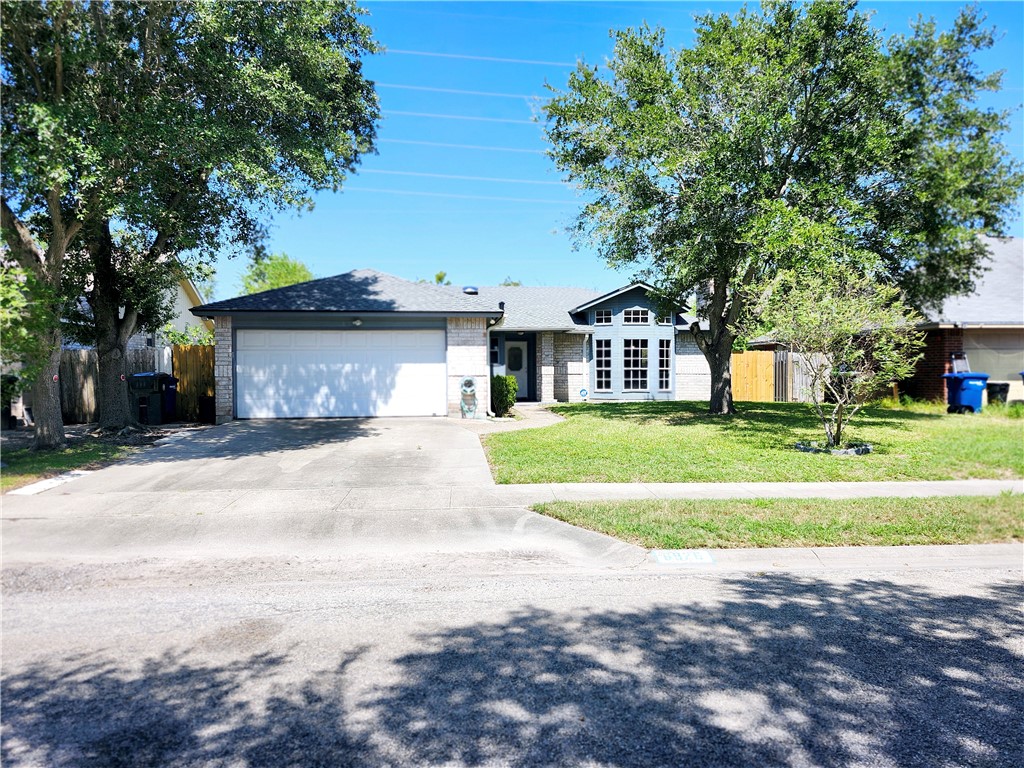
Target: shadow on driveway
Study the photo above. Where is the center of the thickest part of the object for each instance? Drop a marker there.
(786, 671)
(241, 439)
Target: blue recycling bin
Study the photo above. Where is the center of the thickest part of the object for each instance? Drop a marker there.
(964, 391)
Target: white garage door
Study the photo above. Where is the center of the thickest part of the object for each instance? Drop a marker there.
(308, 374)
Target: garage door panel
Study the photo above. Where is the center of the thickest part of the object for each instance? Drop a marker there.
(293, 374)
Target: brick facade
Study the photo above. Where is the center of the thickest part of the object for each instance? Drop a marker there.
(927, 382)
(546, 366)
(224, 369)
(693, 376)
(467, 356)
(571, 371)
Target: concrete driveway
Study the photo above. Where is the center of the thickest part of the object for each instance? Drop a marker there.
(354, 488)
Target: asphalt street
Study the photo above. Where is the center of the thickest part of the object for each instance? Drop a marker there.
(276, 624)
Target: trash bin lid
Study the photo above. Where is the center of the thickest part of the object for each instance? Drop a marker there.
(966, 375)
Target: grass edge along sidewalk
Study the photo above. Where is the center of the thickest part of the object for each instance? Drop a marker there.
(25, 466)
(678, 442)
(761, 523)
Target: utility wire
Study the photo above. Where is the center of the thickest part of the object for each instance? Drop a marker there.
(460, 197)
(481, 58)
(457, 90)
(460, 117)
(461, 178)
(461, 146)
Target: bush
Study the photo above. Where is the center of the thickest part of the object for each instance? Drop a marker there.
(503, 394)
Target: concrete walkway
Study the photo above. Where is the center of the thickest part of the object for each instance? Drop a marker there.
(533, 494)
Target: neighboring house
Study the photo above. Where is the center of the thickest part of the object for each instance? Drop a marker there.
(987, 326)
(185, 298)
(369, 344)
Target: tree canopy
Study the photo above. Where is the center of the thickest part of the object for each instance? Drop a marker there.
(275, 270)
(704, 165)
(169, 128)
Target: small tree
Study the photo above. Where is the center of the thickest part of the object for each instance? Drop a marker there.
(854, 335)
(278, 270)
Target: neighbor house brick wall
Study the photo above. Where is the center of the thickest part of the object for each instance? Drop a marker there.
(571, 370)
(546, 366)
(693, 376)
(224, 369)
(467, 356)
(927, 382)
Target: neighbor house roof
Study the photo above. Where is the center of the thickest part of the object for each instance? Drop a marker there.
(538, 308)
(998, 297)
(363, 291)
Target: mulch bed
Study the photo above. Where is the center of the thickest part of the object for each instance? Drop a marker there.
(14, 439)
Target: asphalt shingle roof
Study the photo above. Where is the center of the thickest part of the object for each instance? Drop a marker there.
(998, 298)
(362, 290)
(536, 308)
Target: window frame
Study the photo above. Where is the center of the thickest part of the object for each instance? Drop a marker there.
(635, 364)
(602, 313)
(664, 365)
(602, 346)
(645, 313)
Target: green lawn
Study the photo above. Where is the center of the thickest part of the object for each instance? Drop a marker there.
(725, 524)
(25, 466)
(679, 442)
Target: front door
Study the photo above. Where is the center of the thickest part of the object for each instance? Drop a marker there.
(515, 365)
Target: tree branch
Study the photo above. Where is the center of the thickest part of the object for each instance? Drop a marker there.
(19, 239)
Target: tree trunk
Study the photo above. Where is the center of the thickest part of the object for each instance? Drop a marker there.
(115, 407)
(112, 332)
(719, 357)
(49, 425)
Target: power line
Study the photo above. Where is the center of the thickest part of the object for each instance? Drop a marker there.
(461, 146)
(460, 197)
(460, 117)
(481, 58)
(456, 90)
(461, 178)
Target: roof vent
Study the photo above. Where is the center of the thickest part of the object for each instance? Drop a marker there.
(470, 290)
(501, 305)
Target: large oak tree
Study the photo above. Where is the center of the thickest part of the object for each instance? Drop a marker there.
(697, 161)
(144, 131)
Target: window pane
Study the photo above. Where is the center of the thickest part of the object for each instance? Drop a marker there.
(603, 317)
(603, 364)
(515, 358)
(634, 364)
(664, 364)
(635, 317)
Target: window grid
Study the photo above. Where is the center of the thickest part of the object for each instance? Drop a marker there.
(603, 317)
(636, 317)
(666, 320)
(603, 365)
(664, 364)
(634, 364)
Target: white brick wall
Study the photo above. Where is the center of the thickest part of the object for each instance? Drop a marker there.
(693, 376)
(467, 356)
(223, 369)
(546, 366)
(571, 371)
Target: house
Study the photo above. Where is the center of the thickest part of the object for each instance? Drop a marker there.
(369, 344)
(987, 326)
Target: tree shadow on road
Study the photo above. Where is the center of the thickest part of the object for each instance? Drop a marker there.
(782, 671)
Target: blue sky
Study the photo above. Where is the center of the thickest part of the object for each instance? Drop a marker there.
(461, 183)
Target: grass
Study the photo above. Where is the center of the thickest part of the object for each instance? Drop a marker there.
(679, 442)
(25, 466)
(726, 524)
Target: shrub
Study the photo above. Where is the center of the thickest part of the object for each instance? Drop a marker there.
(503, 394)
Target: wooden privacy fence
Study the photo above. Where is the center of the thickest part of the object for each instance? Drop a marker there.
(193, 367)
(79, 372)
(753, 376)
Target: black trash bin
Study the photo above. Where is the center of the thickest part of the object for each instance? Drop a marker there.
(998, 392)
(169, 397)
(146, 388)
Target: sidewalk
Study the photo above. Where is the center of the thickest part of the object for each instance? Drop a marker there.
(532, 494)
(1009, 556)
